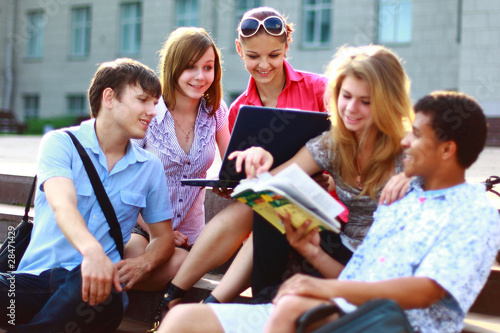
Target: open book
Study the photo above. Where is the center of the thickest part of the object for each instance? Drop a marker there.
(292, 191)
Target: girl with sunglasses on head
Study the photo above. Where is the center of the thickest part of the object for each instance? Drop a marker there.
(191, 122)
(368, 91)
(263, 43)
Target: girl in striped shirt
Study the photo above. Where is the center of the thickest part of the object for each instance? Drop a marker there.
(191, 122)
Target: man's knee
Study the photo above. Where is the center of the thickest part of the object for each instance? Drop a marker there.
(104, 317)
(81, 317)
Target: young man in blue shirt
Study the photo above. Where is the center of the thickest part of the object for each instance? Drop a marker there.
(71, 277)
(431, 251)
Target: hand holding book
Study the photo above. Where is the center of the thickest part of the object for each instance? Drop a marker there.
(306, 243)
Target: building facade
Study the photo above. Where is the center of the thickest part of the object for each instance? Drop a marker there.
(51, 48)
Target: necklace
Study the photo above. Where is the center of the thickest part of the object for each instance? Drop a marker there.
(258, 94)
(182, 130)
(359, 185)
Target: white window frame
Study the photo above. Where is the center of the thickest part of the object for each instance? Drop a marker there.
(187, 13)
(319, 9)
(130, 28)
(36, 23)
(31, 106)
(80, 31)
(395, 21)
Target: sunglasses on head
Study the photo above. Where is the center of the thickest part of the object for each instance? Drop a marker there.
(274, 25)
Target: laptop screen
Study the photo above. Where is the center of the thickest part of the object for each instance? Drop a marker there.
(282, 132)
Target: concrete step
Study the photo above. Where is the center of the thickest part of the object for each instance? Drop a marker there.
(143, 304)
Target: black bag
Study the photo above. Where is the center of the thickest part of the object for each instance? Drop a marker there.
(17, 240)
(375, 316)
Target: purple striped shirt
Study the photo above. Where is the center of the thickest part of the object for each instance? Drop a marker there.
(187, 201)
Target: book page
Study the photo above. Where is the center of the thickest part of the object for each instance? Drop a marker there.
(303, 189)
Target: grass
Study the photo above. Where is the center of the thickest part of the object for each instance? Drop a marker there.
(39, 126)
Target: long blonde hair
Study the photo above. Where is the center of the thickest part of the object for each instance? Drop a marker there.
(184, 46)
(391, 111)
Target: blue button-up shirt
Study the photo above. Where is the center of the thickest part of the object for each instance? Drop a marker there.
(136, 184)
(450, 236)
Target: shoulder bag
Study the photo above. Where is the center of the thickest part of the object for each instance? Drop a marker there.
(18, 238)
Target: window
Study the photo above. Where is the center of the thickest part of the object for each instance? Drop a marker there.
(35, 34)
(77, 105)
(234, 95)
(244, 5)
(80, 32)
(394, 21)
(317, 22)
(130, 30)
(186, 13)
(31, 106)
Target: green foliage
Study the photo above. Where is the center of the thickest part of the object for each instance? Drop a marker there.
(37, 126)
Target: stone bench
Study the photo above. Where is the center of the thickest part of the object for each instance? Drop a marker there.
(14, 191)
(9, 123)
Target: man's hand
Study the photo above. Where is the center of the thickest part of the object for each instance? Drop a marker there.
(142, 268)
(98, 276)
(130, 271)
(181, 240)
(308, 286)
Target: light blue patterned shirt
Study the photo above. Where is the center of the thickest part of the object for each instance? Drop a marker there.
(135, 184)
(450, 236)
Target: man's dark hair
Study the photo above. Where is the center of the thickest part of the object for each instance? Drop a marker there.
(117, 75)
(456, 117)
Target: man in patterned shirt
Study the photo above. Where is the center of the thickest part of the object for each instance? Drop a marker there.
(431, 251)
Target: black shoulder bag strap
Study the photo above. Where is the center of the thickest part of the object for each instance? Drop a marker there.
(30, 199)
(107, 208)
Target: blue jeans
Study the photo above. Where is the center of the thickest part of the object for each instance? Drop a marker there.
(52, 302)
